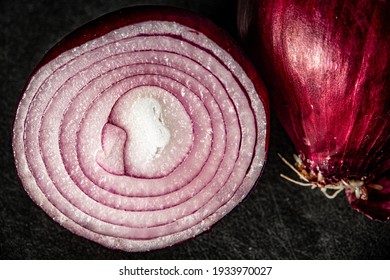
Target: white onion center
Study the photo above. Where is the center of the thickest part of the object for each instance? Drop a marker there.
(158, 133)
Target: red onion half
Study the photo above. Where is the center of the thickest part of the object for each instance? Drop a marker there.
(142, 129)
(327, 66)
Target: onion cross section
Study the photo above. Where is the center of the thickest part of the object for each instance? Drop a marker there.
(142, 137)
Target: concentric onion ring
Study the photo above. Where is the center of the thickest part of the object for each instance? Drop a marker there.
(144, 134)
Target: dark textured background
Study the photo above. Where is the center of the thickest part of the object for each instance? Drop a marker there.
(278, 220)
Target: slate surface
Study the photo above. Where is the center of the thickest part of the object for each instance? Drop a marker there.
(276, 221)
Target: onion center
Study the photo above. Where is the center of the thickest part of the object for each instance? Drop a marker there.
(148, 134)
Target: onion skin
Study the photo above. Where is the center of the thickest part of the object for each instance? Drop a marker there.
(378, 203)
(71, 141)
(327, 67)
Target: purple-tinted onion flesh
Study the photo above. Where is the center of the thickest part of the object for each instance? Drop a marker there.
(145, 135)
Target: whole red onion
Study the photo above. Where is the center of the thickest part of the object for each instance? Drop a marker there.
(327, 67)
(142, 129)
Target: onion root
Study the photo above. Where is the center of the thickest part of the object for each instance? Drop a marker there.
(315, 179)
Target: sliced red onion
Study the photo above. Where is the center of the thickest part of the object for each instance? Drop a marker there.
(142, 129)
(327, 65)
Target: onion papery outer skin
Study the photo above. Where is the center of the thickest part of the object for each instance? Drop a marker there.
(326, 66)
(378, 205)
(70, 128)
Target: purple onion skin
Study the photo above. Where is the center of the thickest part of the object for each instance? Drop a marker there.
(327, 68)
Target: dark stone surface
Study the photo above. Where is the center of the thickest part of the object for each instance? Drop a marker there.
(277, 220)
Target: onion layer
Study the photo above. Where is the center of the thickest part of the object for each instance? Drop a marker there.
(327, 66)
(141, 129)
